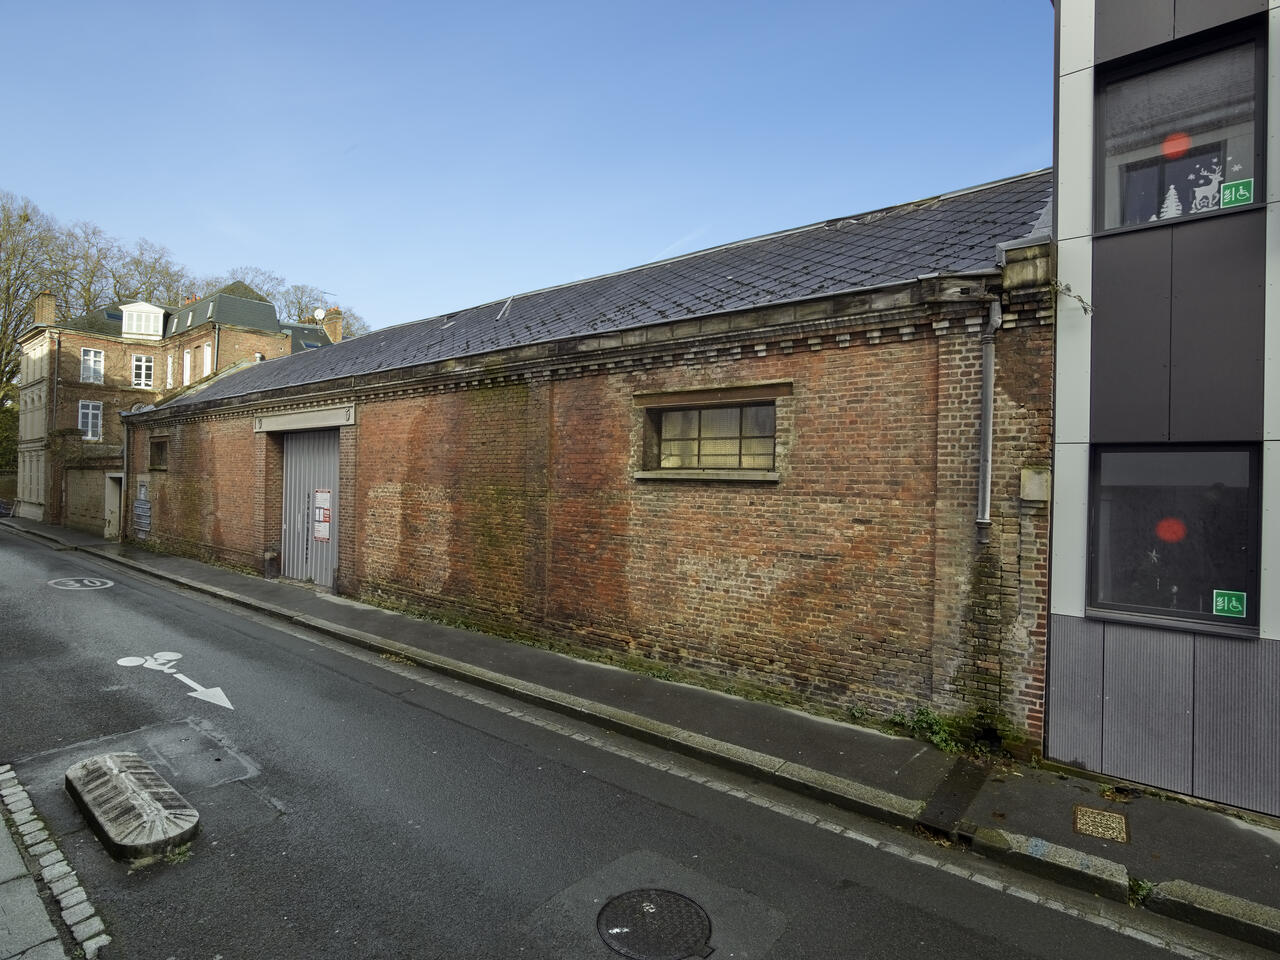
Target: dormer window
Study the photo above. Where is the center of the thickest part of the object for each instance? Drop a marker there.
(209, 313)
(142, 321)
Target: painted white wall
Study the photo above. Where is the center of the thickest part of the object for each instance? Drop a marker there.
(1075, 39)
(1269, 602)
(1074, 190)
(1075, 155)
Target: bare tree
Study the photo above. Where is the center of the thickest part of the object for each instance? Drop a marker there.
(27, 237)
(299, 301)
(269, 285)
(85, 269)
(82, 268)
(148, 272)
(353, 325)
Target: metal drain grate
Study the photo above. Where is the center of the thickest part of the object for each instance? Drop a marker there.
(655, 925)
(1102, 824)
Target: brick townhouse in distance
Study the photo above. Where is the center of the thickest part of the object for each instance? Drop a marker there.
(814, 463)
(77, 375)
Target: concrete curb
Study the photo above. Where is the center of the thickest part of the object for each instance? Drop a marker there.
(1221, 912)
(1209, 909)
(1061, 864)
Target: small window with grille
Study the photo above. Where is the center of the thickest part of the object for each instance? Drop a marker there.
(717, 438)
(718, 434)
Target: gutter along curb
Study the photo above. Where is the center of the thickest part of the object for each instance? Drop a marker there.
(1200, 906)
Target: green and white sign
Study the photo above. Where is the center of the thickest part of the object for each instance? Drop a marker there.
(1228, 603)
(1237, 193)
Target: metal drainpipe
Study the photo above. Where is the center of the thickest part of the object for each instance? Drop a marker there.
(124, 483)
(216, 342)
(995, 317)
(48, 437)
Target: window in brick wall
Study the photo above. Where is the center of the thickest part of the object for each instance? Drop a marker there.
(143, 370)
(720, 434)
(1174, 532)
(159, 454)
(716, 438)
(90, 365)
(91, 419)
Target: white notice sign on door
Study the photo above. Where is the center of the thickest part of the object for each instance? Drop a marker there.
(323, 516)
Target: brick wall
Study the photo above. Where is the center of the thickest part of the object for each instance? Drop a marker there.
(855, 580)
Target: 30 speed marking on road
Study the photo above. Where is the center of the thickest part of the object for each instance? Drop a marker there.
(80, 583)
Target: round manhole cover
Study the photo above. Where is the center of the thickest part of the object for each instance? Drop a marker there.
(655, 925)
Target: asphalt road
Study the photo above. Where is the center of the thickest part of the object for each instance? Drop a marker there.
(355, 807)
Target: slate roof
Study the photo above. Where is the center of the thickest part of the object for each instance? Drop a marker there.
(953, 233)
(228, 310)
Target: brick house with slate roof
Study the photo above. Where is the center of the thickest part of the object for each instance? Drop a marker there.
(78, 374)
(761, 464)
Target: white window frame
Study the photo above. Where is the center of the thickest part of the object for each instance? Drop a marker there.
(144, 368)
(91, 365)
(208, 359)
(168, 380)
(91, 419)
(186, 367)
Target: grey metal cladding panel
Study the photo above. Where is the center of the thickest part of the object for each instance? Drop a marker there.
(1147, 733)
(1237, 725)
(1129, 389)
(310, 464)
(1216, 349)
(1126, 26)
(1192, 16)
(1075, 692)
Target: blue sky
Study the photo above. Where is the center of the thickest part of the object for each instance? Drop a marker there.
(416, 158)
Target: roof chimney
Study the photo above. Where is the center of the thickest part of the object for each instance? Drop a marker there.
(45, 308)
(333, 324)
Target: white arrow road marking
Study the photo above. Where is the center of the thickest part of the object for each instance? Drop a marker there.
(164, 662)
(212, 694)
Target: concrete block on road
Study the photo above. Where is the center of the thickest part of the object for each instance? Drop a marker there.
(1214, 910)
(92, 947)
(133, 810)
(1063, 864)
(26, 924)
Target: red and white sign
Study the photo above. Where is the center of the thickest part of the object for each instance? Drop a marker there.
(323, 516)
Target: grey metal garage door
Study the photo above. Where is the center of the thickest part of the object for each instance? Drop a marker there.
(309, 520)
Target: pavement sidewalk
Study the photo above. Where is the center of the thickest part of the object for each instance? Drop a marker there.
(1188, 860)
(25, 929)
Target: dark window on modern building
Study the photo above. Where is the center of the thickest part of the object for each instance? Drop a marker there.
(1174, 532)
(1182, 139)
(717, 438)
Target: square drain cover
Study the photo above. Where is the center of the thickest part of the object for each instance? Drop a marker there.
(1101, 823)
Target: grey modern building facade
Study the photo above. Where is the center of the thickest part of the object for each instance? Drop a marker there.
(1164, 646)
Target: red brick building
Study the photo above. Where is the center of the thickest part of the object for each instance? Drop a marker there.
(762, 462)
(78, 374)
